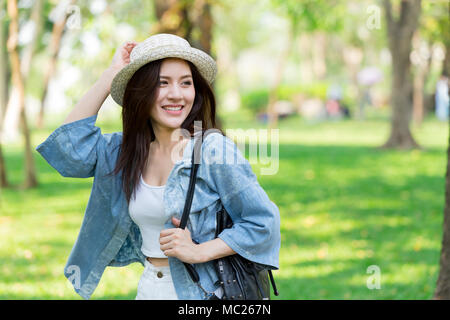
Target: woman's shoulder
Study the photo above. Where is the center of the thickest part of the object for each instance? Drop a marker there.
(215, 138)
(215, 143)
(221, 149)
(113, 138)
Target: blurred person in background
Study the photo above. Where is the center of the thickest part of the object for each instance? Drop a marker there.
(442, 98)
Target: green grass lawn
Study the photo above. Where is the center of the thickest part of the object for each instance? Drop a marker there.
(345, 205)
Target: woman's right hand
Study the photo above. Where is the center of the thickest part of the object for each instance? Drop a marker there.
(122, 56)
(92, 101)
(120, 59)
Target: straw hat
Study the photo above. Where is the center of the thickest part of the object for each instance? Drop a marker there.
(161, 46)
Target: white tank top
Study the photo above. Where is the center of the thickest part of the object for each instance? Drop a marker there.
(147, 211)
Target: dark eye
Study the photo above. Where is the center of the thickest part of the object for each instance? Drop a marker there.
(188, 83)
(162, 82)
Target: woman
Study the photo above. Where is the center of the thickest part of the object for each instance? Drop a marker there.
(141, 176)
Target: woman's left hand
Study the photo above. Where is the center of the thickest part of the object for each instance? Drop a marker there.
(178, 243)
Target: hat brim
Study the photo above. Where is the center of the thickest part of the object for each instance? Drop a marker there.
(204, 63)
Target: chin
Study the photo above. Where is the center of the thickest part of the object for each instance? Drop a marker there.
(174, 124)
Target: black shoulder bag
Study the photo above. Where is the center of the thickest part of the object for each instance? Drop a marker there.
(241, 279)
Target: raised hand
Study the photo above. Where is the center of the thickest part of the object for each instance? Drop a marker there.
(122, 55)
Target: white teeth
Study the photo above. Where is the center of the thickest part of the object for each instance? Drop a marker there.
(172, 109)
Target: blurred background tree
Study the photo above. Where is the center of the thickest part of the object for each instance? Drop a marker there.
(438, 30)
(308, 17)
(19, 72)
(400, 28)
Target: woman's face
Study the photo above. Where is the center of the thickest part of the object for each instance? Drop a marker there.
(176, 89)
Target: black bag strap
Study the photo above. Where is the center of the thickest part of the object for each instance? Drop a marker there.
(195, 161)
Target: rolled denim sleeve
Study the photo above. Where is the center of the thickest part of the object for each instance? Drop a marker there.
(72, 148)
(255, 234)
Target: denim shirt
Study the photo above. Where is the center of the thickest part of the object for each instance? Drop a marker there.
(109, 237)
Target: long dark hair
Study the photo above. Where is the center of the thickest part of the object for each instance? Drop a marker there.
(139, 97)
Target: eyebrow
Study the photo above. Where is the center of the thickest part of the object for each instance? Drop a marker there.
(182, 77)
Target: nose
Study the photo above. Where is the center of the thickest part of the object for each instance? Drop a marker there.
(174, 92)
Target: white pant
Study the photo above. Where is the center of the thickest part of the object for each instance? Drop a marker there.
(156, 284)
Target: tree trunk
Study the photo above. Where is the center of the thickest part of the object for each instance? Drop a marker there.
(443, 282)
(400, 34)
(4, 66)
(418, 97)
(55, 45)
(12, 118)
(30, 172)
(3, 177)
(422, 66)
(183, 17)
(172, 18)
(28, 51)
(271, 112)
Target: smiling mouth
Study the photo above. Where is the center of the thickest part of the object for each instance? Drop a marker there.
(177, 108)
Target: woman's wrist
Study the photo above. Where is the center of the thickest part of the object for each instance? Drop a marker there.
(201, 255)
(107, 77)
(212, 250)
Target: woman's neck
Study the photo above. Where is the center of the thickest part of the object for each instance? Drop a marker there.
(165, 141)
